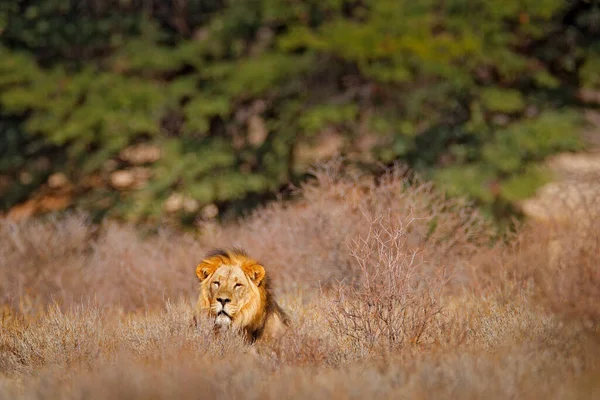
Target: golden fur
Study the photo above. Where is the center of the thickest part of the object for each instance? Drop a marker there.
(234, 290)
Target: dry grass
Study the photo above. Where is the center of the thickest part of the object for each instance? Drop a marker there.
(67, 260)
(394, 292)
(571, 283)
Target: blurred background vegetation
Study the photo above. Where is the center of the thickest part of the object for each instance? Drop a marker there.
(189, 108)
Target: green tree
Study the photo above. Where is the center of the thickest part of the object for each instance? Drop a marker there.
(476, 94)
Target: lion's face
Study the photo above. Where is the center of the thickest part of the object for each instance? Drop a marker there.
(230, 289)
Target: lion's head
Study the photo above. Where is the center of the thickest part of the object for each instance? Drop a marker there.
(234, 291)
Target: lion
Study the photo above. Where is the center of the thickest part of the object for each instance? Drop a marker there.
(234, 290)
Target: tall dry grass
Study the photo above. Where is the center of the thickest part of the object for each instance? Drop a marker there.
(67, 260)
(394, 290)
(510, 354)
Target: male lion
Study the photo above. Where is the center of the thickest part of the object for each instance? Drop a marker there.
(234, 290)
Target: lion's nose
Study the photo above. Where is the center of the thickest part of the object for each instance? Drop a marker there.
(223, 300)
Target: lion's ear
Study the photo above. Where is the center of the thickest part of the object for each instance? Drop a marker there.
(206, 268)
(256, 273)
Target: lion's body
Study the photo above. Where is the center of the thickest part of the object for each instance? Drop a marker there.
(234, 290)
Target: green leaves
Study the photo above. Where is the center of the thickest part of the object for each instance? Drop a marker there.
(257, 75)
(502, 100)
(234, 94)
(508, 168)
(532, 140)
(199, 111)
(320, 117)
(590, 71)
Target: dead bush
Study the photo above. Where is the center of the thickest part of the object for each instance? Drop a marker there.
(81, 336)
(162, 334)
(61, 339)
(40, 260)
(135, 273)
(513, 373)
(553, 262)
(305, 243)
(67, 260)
(398, 295)
(568, 274)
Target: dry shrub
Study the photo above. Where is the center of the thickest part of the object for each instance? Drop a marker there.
(82, 336)
(41, 259)
(183, 377)
(67, 261)
(173, 330)
(555, 261)
(57, 338)
(309, 342)
(512, 373)
(134, 273)
(471, 375)
(305, 243)
(159, 354)
(567, 273)
(398, 296)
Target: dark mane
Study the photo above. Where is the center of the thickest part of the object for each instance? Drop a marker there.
(223, 252)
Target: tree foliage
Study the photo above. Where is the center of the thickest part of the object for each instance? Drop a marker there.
(473, 93)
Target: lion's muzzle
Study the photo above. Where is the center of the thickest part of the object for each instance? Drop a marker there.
(223, 320)
(223, 317)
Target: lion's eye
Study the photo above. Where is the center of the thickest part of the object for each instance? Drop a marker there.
(237, 285)
(216, 284)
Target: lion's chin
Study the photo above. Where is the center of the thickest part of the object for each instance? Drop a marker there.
(223, 320)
